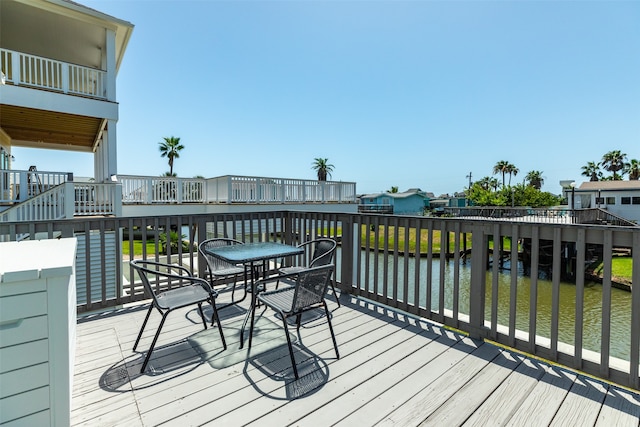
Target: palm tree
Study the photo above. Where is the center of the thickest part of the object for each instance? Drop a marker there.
(323, 168)
(633, 169)
(393, 190)
(512, 170)
(501, 167)
(493, 183)
(485, 182)
(592, 170)
(170, 149)
(535, 179)
(613, 161)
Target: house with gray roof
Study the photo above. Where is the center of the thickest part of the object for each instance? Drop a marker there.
(621, 198)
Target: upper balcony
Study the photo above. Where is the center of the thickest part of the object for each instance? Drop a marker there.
(22, 69)
(59, 62)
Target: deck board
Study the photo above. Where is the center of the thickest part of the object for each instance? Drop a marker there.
(499, 407)
(393, 369)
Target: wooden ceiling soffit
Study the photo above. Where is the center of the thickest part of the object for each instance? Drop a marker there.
(50, 127)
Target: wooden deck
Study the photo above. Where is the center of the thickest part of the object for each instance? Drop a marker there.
(393, 370)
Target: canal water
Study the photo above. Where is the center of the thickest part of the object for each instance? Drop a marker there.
(592, 324)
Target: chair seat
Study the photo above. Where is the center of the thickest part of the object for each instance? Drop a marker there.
(279, 299)
(183, 296)
(231, 271)
(286, 271)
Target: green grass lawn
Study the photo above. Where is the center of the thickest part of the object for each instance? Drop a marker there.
(137, 248)
(621, 268)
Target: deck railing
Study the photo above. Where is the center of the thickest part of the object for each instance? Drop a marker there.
(459, 275)
(555, 215)
(29, 70)
(233, 189)
(67, 200)
(163, 190)
(20, 185)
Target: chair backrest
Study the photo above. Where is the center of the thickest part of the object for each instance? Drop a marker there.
(323, 251)
(215, 264)
(168, 272)
(311, 286)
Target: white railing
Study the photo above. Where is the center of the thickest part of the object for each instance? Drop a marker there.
(97, 199)
(149, 189)
(23, 69)
(66, 201)
(250, 189)
(48, 206)
(20, 185)
(233, 189)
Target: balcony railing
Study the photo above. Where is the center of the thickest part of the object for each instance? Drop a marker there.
(20, 185)
(559, 215)
(22, 69)
(233, 189)
(35, 195)
(460, 274)
(65, 201)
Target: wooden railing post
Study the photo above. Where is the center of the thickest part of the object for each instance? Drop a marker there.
(348, 252)
(478, 283)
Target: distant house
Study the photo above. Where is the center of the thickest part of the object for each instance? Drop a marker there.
(621, 198)
(410, 202)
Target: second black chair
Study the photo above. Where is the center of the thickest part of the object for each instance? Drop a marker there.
(219, 271)
(292, 301)
(317, 252)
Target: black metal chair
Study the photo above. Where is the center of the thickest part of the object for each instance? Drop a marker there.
(173, 288)
(218, 270)
(307, 294)
(317, 252)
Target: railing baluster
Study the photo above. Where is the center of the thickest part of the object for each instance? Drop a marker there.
(496, 257)
(513, 293)
(581, 245)
(429, 282)
(634, 351)
(605, 333)
(533, 293)
(555, 291)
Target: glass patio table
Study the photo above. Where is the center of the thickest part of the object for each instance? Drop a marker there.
(249, 254)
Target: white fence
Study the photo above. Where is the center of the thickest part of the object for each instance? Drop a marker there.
(34, 195)
(233, 189)
(24, 69)
(20, 185)
(66, 201)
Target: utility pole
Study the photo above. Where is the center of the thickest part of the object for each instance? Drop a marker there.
(469, 176)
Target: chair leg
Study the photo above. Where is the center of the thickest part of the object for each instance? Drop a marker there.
(204, 321)
(298, 320)
(143, 326)
(333, 336)
(153, 343)
(216, 318)
(244, 324)
(333, 288)
(293, 359)
(253, 319)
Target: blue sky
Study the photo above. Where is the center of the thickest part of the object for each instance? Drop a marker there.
(393, 93)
